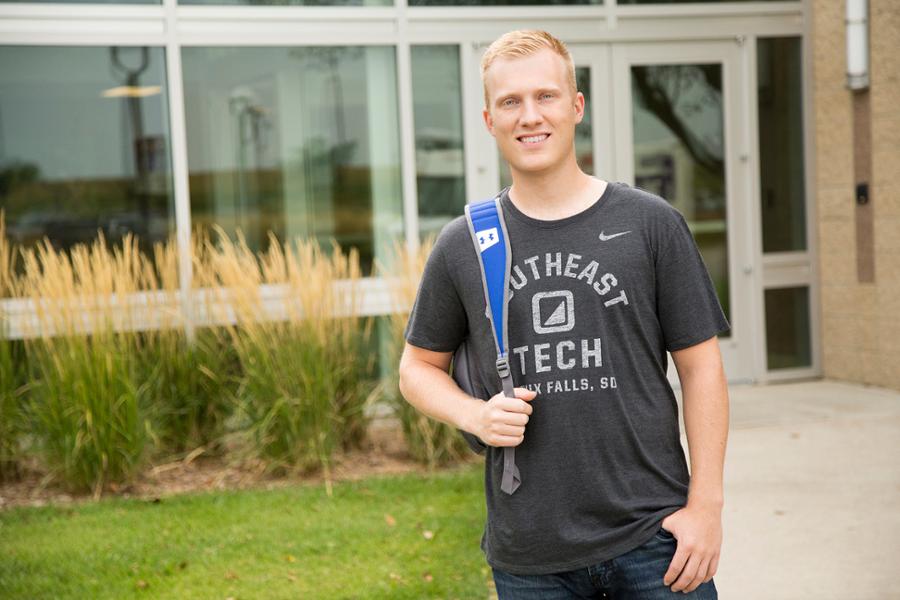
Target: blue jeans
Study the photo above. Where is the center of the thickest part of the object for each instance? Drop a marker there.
(635, 575)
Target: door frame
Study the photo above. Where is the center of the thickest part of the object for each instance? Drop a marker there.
(740, 349)
(610, 65)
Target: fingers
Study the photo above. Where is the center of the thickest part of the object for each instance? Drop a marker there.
(510, 430)
(500, 428)
(520, 404)
(677, 565)
(498, 434)
(507, 410)
(505, 428)
(505, 440)
(514, 405)
(700, 577)
(514, 418)
(524, 393)
(504, 419)
(687, 574)
(713, 567)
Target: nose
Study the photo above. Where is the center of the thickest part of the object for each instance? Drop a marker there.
(531, 113)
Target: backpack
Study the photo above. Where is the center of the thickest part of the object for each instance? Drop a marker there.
(491, 242)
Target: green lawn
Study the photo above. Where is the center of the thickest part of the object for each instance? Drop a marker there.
(388, 537)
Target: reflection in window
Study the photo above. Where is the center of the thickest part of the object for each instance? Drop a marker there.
(788, 342)
(679, 144)
(584, 141)
(297, 141)
(780, 102)
(82, 1)
(84, 144)
(688, 1)
(292, 2)
(503, 2)
(437, 112)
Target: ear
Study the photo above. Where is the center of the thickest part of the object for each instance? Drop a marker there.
(488, 120)
(579, 107)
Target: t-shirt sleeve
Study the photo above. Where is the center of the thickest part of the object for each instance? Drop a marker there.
(687, 305)
(437, 320)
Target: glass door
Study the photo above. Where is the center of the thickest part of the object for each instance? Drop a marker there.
(679, 132)
(668, 118)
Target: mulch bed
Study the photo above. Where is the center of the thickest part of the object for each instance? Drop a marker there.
(384, 454)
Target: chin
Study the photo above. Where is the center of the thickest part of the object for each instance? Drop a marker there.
(533, 166)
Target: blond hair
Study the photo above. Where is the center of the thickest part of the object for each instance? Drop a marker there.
(524, 42)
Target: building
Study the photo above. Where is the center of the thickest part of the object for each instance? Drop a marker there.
(362, 121)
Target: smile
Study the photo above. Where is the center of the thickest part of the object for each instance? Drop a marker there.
(533, 140)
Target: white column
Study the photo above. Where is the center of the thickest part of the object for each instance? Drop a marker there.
(179, 165)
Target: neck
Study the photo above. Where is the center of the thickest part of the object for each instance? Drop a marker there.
(554, 194)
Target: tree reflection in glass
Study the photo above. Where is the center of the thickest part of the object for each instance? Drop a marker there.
(679, 152)
(84, 144)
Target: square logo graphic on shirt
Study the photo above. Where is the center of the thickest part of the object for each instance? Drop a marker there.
(487, 238)
(552, 312)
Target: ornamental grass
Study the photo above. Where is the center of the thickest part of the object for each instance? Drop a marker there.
(191, 381)
(279, 367)
(428, 441)
(291, 315)
(12, 382)
(86, 407)
(114, 382)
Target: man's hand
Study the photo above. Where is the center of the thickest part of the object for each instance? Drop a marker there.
(698, 529)
(501, 421)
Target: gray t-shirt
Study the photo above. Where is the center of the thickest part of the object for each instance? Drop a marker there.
(596, 300)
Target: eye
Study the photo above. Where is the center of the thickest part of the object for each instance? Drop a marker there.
(507, 101)
(547, 94)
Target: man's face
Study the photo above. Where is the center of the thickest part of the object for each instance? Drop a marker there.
(529, 96)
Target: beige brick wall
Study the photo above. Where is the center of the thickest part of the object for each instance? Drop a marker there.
(860, 322)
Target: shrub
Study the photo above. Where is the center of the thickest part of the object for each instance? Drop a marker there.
(12, 382)
(86, 406)
(429, 441)
(12, 419)
(296, 334)
(191, 384)
(191, 381)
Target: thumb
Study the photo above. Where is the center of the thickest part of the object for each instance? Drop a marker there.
(525, 393)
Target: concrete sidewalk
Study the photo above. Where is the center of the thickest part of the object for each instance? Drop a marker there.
(812, 493)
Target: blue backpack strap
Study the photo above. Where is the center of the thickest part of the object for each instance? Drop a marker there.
(491, 240)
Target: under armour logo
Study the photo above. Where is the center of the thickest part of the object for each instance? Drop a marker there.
(487, 238)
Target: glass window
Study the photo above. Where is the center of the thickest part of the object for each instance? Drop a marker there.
(780, 102)
(293, 2)
(787, 328)
(679, 145)
(84, 144)
(437, 111)
(297, 141)
(503, 2)
(688, 1)
(584, 140)
(82, 1)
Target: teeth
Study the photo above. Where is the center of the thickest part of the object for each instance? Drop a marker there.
(533, 139)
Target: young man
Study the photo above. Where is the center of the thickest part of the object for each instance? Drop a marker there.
(605, 278)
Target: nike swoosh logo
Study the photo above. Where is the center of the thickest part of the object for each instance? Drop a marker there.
(603, 238)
